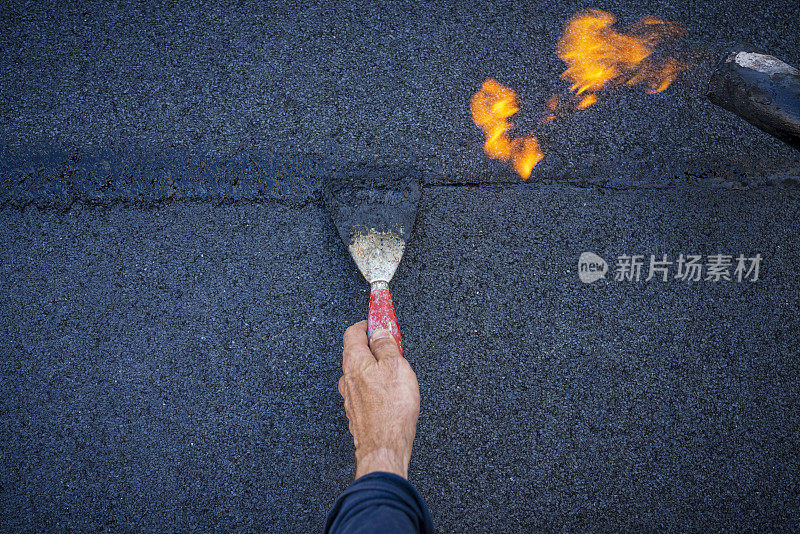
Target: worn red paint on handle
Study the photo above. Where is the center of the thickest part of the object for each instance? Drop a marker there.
(381, 314)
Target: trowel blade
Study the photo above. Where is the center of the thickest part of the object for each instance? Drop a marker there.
(374, 209)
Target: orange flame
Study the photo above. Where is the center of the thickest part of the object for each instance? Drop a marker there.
(587, 101)
(490, 107)
(597, 56)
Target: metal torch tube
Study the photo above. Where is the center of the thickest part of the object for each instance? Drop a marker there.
(761, 89)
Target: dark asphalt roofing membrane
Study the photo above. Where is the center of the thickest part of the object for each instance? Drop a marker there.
(177, 366)
(168, 92)
(173, 292)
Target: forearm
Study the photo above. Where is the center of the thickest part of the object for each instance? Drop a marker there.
(381, 400)
(384, 459)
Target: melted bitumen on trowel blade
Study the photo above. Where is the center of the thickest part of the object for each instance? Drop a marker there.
(370, 201)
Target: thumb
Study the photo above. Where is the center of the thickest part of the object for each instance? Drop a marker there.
(383, 345)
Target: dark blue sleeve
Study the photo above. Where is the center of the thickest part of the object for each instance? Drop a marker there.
(379, 503)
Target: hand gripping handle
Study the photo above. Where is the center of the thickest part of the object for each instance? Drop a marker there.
(381, 313)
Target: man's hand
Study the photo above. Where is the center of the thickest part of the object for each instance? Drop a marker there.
(381, 398)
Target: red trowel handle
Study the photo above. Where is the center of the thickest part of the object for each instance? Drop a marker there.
(381, 313)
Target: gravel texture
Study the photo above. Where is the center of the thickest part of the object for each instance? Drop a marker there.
(175, 368)
(348, 82)
(172, 293)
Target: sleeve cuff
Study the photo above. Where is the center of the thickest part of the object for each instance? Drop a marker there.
(380, 499)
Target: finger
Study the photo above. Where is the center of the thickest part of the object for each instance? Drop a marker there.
(355, 335)
(383, 345)
(356, 354)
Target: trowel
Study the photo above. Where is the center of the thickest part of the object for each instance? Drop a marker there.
(373, 209)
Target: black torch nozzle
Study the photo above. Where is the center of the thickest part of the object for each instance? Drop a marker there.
(761, 89)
